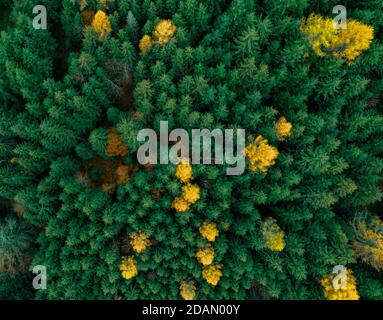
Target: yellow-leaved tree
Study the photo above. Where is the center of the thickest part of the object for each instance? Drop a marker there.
(205, 256)
(139, 241)
(346, 292)
(326, 40)
(284, 128)
(368, 243)
(260, 154)
(101, 24)
(212, 274)
(145, 44)
(273, 235)
(163, 31)
(209, 231)
(184, 171)
(128, 267)
(187, 290)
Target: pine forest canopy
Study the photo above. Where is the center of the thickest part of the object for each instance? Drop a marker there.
(75, 199)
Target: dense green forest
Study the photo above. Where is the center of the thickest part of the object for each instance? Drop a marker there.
(74, 198)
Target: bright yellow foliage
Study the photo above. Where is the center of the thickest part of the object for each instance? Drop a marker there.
(191, 192)
(180, 204)
(273, 235)
(350, 291)
(184, 171)
(205, 256)
(284, 128)
(145, 44)
(139, 241)
(187, 290)
(368, 244)
(212, 274)
(163, 31)
(260, 155)
(344, 43)
(128, 267)
(101, 24)
(209, 230)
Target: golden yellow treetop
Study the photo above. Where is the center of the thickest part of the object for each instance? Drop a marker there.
(212, 274)
(209, 230)
(128, 267)
(273, 235)
(349, 292)
(205, 256)
(180, 204)
(139, 241)
(368, 243)
(260, 155)
(163, 31)
(101, 24)
(145, 44)
(184, 171)
(284, 128)
(344, 43)
(191, 192)
(187, 290)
